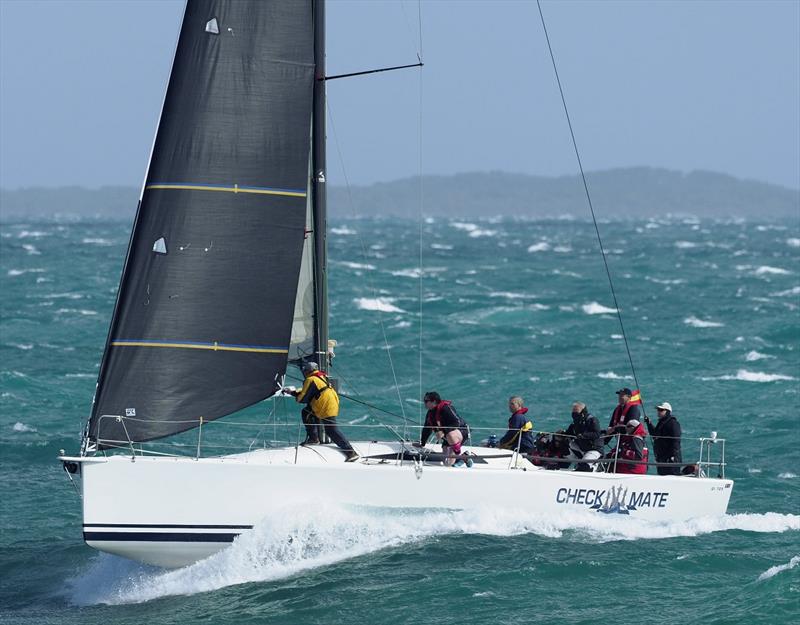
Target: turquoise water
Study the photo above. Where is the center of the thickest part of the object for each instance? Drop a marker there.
(711, 310)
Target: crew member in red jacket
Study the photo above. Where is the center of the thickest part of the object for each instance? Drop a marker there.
(631, 447)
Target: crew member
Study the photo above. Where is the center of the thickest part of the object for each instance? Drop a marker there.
(587, 441)
(321, 409)
(520, 428)
(632, 448)
(627, 408)
(443, 421)
(666, 435)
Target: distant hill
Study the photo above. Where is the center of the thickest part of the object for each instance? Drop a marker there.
(631, 192)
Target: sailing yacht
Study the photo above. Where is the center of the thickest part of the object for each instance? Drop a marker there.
(224, 288)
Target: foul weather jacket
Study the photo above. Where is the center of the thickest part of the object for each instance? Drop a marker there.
(520, 430)
(586, 430)
(666, 439)
(443, 418)
(320, 396)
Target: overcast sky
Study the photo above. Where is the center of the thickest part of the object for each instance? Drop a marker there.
(683, 85)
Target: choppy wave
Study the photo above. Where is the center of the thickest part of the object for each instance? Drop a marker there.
(700, 323)
(342, 230)
(774, 570)
(768, 270)
(793, 291)
(381, 304)
(610, 375)
(792, 242)
(22, 428)
(753, 376)
(542, 246)
(289, 543)
(352, 265)
(788, 475)
(754, 355)
(595, 308)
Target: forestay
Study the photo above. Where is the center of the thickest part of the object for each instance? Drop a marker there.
(205, 309)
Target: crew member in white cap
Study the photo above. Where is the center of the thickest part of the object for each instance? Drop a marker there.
(666, 439)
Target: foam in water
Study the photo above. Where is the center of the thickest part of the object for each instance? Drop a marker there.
(700, 323)
(610, 375)
(381, 304)
(352, 265)
(767, 270)
(774, 570)
(752, 376)
(21, 427)
(594, 308)
(295, 540)
(542, 246)
(754, 355)
(787, 476)
(793, 291)
(793, 242)
(685, 245)
(342, 230)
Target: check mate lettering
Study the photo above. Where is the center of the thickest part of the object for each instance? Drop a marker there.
(599, 499)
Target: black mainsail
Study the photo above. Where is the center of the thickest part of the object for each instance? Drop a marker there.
(203, 320)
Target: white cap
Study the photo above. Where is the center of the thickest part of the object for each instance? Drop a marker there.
(665, 405)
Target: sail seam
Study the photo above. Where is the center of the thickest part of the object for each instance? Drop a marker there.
(230, 189)
(215, 346)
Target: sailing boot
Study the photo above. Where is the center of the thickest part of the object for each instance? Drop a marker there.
(351, 456)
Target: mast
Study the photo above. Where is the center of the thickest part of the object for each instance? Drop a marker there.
(319, 203)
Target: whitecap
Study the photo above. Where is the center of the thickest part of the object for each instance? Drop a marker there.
(538, 307)
(610, 375)
(466, 227)
(82, 311)
(511, 295)
(80, 375)
(775, 271)
(542, 246)
(595, 308)
(342, 230)
(753, 376)
(35, 234)
(562, 249)
(401, 324)
(787, 476)
(793, 242)
(481, 232)
(774, 570)
(753, 470)
(22, 346)
(407, 273)
(21, 427)
(788, 292)
(685, 245)
(754, 355)
(352, 265)
(700, 323)
(97, 241)
(441, 246)
(380, 304)
(31, 249)
(617, 337)
(19, 272)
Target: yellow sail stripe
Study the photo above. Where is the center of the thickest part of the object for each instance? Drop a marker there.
(216, 347)
(234, 189)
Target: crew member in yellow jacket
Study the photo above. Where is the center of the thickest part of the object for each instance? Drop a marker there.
(321, 409)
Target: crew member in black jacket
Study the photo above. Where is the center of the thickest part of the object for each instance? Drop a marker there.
(588, 442)
(666, 438)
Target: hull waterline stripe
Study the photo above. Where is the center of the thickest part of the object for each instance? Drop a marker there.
(161, 537)
(234, 189)
(167, 526)
(216, 347)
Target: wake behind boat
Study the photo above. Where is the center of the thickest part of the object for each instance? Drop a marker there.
(225, 286)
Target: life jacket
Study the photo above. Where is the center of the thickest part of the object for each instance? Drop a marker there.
(618, 417)
(437, 412)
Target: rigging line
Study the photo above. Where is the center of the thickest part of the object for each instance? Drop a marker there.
(364, 256)
(421, 208)
(589, 199)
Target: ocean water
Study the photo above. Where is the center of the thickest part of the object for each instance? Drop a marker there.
(501, 307)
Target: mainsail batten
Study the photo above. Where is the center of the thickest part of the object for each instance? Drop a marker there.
(204, 316)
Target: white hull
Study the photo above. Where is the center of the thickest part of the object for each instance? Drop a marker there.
(134, 507)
